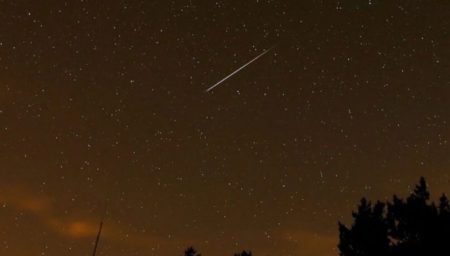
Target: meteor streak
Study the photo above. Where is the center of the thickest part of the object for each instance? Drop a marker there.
(239, 69)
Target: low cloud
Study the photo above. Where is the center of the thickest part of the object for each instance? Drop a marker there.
(20, 198)
(73, 229)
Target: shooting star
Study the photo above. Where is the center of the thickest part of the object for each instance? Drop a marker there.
(239, 69)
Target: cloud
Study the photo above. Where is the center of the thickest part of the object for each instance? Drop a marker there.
(20, 198)
(73, 228)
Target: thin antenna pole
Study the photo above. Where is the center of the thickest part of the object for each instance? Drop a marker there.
(98, 238)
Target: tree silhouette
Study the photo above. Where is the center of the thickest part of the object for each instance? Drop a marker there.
(190, 251)
(356, 240)
(244, 253)
(410, 227)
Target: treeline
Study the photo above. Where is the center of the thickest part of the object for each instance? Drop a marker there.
(415, 226)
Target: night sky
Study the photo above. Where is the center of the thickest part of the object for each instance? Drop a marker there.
(104, 115)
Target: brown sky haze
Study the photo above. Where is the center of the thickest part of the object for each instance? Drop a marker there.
(104, 103)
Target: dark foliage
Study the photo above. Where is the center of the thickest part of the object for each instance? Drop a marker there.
(412, 227)
(244, 253)
(191, 252)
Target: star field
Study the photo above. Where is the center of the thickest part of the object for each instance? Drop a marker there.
(104, 115)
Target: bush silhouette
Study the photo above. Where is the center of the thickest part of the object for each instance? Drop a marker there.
(244, 253)
(412, 227)
(190, 251)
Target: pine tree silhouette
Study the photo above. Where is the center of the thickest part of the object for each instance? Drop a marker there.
(412, 227)
(356, 240)
(413, 222)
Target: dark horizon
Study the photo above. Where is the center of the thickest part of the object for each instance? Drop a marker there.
(104, 103)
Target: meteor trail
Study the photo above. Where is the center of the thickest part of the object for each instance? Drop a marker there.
(239, 69)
